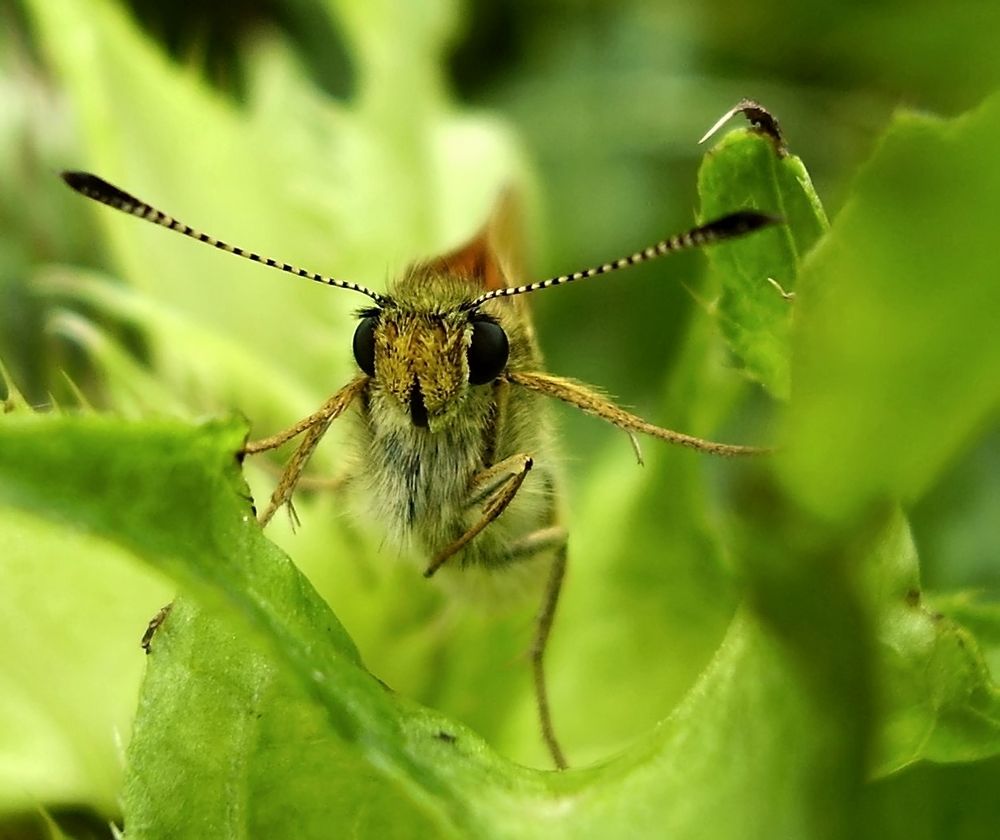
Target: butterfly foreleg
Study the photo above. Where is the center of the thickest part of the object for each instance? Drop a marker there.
(494, 487)
(314, 426)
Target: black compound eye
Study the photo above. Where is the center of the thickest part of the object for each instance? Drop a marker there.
(364, 344)
(488, 352)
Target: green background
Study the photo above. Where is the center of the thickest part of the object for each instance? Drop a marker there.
(743, 650)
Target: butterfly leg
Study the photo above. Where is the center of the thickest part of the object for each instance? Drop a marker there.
(546, 539)
(314, 426)
(496, 487)
(293, 472)
(330, 410)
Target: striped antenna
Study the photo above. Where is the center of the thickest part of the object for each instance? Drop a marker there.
(100, 190)
(728, 227)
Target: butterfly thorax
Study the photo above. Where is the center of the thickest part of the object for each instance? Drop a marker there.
(428, 432)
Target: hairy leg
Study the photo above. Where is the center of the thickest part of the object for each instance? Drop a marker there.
(314, 426)
(497, 486)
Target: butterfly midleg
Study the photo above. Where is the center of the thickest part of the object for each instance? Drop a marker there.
(554, 537)
(498, 485)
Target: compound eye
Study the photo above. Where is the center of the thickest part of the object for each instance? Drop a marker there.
(364, 344)
(488, 352)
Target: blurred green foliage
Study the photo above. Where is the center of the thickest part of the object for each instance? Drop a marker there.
(742, 651)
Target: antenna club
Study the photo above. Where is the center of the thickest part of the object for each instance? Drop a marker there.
(98, 189)
(77, 180)
(736, 224)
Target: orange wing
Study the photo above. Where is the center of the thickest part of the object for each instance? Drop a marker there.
(495, 255)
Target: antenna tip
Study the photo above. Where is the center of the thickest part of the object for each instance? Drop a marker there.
(74, 179)
(100, 190)
(85, 183)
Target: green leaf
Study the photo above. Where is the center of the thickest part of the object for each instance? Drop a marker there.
(215, 370)
(172, 496)
(259, 693)
(937, 698)
(197, 526)
(248, 735)
(72, 610)
(895, 335)
(977, 611)
(747, 170)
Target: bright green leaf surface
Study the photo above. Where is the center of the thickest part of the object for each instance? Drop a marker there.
(72, 609)
(744, 170)
(248, 736)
